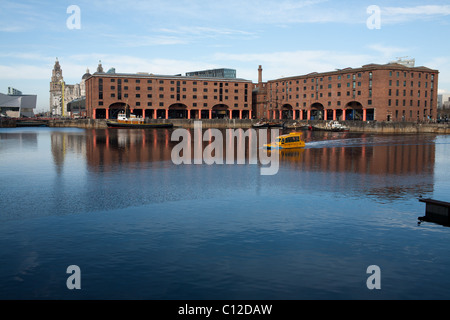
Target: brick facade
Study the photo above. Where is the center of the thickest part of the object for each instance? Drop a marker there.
(391, 92)
(166, 97)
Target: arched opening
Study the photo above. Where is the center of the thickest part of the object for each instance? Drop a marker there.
(235, 114)
(149, 113)
(304, 114)
(220, 111)
(117, 108)
(317, 110)
(329, 113)
(178, 111)
(195, 114)
(354, 111)
(100, 113)
(287, 112)
(204, 114)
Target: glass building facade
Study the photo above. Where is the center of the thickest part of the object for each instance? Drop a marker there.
(214, 73)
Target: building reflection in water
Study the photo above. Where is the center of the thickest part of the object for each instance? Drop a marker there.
(64, 142)
(107, 148)
(386, 169)
(10, 140)
(383, 166)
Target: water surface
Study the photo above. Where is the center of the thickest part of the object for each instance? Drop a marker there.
(140, 227)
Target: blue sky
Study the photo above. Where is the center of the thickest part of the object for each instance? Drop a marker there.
(286, 37)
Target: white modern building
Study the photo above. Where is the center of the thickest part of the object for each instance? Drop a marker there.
(17, 105)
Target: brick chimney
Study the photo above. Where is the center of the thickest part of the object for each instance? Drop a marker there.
(260, 74)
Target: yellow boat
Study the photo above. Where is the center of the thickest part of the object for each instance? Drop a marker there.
(288, 141)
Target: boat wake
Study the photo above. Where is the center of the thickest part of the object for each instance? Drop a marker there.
(366, 141)
(337, 143)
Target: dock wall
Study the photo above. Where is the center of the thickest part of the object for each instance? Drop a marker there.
(78, 123)
(355, 126)
(182, 123)
(393, 127)
(7, 123)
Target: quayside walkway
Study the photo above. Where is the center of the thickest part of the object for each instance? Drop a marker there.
(354, 126)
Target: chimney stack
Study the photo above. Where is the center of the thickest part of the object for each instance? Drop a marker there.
(260, 74)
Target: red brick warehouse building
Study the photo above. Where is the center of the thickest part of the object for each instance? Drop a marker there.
(197, 96)
(391, 92)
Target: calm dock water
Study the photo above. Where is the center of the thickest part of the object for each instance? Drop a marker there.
(140, 227)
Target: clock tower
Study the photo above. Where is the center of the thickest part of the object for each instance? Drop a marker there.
(56, 87)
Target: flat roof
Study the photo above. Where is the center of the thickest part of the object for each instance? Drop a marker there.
(367, 67)
(21, 101)
(145, 75)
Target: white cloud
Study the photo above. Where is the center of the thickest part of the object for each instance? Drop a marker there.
(294, 12)
(284, 64)
(25, 17)
(387, 52)
(25, 56)
(231, 11)
(74, 66)
(29, 72)
(405, 14)
(428, 10)
(182, 35)
(133, 41)
(11, 28)
(205, 31)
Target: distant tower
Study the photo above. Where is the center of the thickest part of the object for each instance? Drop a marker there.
(100, 67)
(83, 83)
(56, 86)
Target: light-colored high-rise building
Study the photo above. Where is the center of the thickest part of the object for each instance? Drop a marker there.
(61, 93)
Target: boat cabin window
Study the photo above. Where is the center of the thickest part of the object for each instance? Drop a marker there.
(288, 140)
(292, 139)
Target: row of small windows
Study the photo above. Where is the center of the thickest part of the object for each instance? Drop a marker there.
(161, 104)
(339, 85)
(173, 89)
(391, 73)
(411, 104)
(226, 84)
(350, 76)
(161, 96)
(397, 93)
(330, 78)
(419, 84)
(313, 95)
(411, 114)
